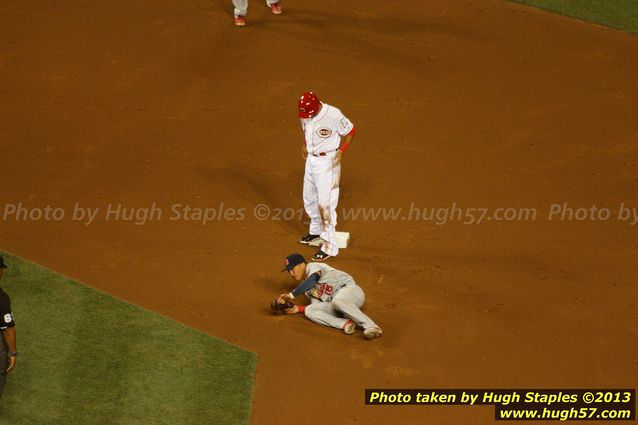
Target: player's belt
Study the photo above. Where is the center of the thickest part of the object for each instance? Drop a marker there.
(322, 153)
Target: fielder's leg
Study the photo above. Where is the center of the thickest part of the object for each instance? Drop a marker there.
(241, 7)
(324, 314)
(349, 301)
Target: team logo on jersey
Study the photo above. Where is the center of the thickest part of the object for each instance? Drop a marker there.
(324, 132)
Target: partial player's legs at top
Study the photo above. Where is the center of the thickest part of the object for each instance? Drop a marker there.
(241, 10)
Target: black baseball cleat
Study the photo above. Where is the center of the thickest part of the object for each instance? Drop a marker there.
(320, 256)
(308, 238)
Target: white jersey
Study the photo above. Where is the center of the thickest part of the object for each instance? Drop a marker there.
(331, 281)
(323, 132)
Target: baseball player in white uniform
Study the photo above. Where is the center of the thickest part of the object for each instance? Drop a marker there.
(327, 135)
(336, 299)
(241, 9)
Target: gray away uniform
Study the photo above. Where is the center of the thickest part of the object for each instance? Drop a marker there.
(336, 298)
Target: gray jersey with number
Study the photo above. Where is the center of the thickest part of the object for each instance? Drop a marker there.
(330, 281)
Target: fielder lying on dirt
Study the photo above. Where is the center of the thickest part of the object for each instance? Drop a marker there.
(336, 299)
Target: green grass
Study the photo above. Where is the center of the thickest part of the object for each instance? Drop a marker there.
(88, 358)
(619, 14)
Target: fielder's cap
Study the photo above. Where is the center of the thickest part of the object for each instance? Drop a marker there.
(2, 264)
(292, 260)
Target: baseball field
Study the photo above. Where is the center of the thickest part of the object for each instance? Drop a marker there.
(87, 358)
(151, 188)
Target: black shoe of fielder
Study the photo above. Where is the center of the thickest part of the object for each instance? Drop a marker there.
(320, 256)
(308, 238)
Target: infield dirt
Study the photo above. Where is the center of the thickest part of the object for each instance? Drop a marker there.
(479, 103)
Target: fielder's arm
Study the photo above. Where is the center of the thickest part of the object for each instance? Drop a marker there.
(306, 285)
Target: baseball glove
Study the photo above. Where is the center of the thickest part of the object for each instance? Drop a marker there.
(279, 305)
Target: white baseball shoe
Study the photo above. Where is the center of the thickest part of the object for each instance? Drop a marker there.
(349, 327)
(373, 332)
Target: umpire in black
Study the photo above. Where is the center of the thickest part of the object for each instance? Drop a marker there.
(8, 347)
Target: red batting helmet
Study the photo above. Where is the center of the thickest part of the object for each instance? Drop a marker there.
(308, 105)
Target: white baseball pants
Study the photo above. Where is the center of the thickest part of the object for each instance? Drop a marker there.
(320, 198)
(344, 306)
(241, 6)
